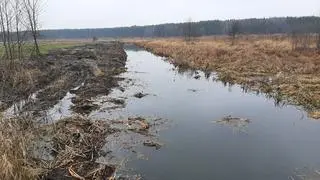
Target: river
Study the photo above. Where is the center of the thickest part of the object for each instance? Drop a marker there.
(278, 142)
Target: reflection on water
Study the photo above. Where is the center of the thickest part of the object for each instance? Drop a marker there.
(278, 139)
(62, 109)
(192, 73)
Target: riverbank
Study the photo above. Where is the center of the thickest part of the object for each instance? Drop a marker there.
(64, 148)
(87, 70)
(261, 64)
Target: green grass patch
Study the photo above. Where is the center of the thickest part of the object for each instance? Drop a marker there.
(45, 47)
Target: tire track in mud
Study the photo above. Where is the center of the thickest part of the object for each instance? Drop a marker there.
(94, 66)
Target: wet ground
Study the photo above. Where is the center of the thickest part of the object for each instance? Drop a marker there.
(264, 140)
(68, 77)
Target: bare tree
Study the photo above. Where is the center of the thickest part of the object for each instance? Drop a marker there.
(32, 9)
(6, 27)
(3, 30)
(8, 23)
(18, 15)
(318, 40)
(18, 22)
(188, 30)
(233, 31)
(302, 41)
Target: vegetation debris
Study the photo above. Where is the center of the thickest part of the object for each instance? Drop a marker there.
(152, 144)
(140, 95)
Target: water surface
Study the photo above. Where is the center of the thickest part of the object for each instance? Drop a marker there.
(278, 140)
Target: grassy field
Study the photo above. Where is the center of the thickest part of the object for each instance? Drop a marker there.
(47, 45)
(264, 63)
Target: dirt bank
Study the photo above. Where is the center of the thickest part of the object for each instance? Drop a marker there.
(259, 64)
(89, 68)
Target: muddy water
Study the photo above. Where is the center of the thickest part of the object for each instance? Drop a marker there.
(276, 143)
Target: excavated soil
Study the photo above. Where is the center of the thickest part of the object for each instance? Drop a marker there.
(87, 71)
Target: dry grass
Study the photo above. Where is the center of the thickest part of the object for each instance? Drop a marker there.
(15, 163)
(77, 143)
(253, 61)
(18, 81)
(74, 144)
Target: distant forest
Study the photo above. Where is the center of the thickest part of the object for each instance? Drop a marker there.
(310, 24)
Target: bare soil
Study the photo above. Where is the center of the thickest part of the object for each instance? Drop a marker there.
(90, 67)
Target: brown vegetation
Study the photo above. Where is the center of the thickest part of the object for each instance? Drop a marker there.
(74, 144)
(265, 63)
(66, 149)
(15, 137)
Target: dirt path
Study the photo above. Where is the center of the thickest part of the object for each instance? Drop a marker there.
(91, 68)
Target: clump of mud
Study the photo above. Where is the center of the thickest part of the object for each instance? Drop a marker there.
(236, 123)
(83, 106)
(140, 95)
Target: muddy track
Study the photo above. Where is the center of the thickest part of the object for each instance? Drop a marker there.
(91, 68)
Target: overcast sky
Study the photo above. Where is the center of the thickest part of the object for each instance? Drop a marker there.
(112, 13)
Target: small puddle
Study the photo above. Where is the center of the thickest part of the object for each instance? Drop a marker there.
(59, 111)
(62, 109)
(16, 108)
(277, 140)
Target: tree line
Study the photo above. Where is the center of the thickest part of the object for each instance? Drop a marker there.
(309, 24)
